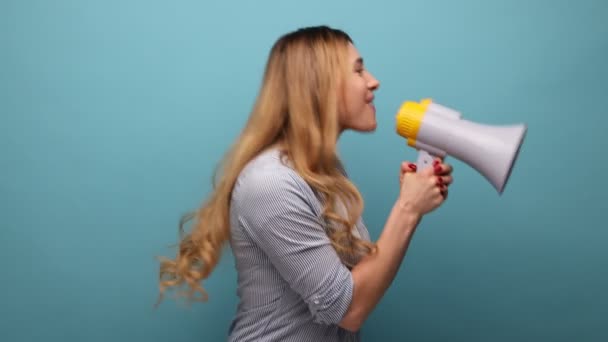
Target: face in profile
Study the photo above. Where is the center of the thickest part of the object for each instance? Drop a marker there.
(357, 110)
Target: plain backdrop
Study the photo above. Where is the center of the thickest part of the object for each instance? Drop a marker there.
(113, 115)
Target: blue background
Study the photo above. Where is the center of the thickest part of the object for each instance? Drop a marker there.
(113, 115)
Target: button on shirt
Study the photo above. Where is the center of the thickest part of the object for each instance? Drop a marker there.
(292, 285)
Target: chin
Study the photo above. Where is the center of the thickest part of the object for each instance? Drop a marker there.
(371, 127)
(367, 124)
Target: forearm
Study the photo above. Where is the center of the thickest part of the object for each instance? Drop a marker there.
(374, 273)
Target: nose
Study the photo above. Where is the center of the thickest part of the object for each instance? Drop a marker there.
(373, 83)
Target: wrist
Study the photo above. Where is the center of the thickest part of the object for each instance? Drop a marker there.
(408, 212)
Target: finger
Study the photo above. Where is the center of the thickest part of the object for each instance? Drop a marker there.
(440, 187)
(438, 160)
(405, 168)
(408, 167)
(444, 180)
(441, 191)
(447, 169)
(442, 169)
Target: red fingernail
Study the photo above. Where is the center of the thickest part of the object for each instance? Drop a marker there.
(412, 166)
(436, 162)
(439, 181)
(437, 168)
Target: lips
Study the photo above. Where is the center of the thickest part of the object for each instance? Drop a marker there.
(370, 102)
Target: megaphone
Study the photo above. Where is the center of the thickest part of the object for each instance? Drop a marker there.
(438, 131)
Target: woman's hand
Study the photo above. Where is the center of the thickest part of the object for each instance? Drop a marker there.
(424, 191)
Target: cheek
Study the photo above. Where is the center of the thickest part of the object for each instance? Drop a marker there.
(351, 99)
(354, 97)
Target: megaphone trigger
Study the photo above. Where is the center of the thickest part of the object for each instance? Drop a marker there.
(424, 160)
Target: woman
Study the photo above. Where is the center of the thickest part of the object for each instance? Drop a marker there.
(307, 270)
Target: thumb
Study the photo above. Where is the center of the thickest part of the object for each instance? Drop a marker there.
(408, 166)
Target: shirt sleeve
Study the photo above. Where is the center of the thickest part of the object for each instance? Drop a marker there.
(275, 213)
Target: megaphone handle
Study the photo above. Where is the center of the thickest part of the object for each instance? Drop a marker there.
(425, 160)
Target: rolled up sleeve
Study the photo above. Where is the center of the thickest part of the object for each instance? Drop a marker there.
(276, 213)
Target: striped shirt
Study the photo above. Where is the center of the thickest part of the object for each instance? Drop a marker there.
(292, 285)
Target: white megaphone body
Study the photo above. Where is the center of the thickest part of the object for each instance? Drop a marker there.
(438, 131)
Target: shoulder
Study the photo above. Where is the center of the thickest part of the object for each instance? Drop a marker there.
(269, 182)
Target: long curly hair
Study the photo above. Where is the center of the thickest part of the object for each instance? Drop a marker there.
(297, 108)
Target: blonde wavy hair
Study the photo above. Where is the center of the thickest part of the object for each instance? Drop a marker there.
(296, 109)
